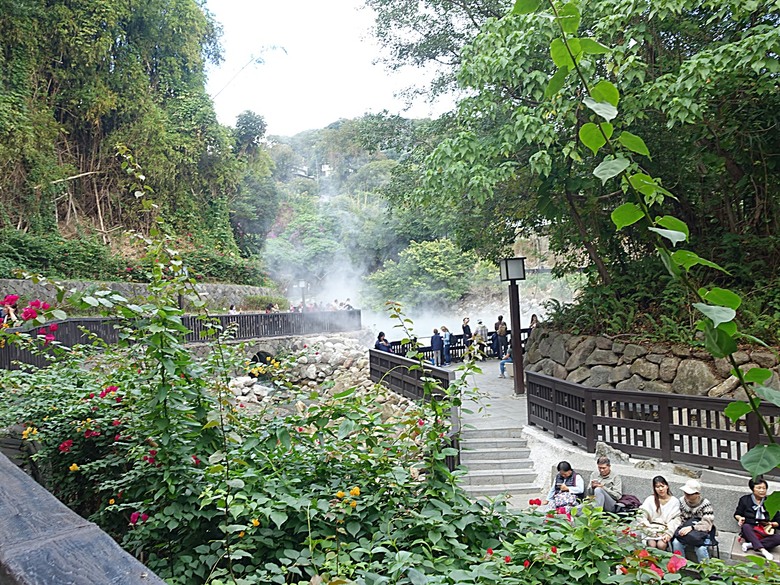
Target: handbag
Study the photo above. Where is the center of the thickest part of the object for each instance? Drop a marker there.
(694, 537)
(763, 530)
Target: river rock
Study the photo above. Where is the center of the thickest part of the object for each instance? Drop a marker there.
(620, 373)
(633, 351)
(602, 357)
(599, 376)
(644, 368)
(581, 353)
(667, 369)
(694, 378)
(579, 375)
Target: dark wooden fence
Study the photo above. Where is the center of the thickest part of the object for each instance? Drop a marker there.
(670, 427)
(246, 326)
(404, 376)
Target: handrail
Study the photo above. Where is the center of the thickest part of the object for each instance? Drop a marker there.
(42, 541)
(404, 376)
(244, 326)
(457, 347)
(671, 427)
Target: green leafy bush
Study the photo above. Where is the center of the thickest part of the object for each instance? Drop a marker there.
(217, 266)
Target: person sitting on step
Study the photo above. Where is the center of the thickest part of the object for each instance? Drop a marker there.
(659, 515)
(567, 488)
(697, 517)
(759, 531)
(605, 486)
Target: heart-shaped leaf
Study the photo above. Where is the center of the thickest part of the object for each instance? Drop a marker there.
(611, 168)
(626, 214)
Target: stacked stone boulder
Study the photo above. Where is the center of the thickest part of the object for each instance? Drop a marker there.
(606, 363)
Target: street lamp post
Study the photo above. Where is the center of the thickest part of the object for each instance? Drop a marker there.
(512, 270)
(302, 286)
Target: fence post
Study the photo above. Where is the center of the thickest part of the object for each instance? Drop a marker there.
(665, 431)
(753, 429)
(590, 427)
(555, 410)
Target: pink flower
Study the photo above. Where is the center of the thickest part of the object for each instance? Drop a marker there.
(676, 563)
(134, 517)
(45, 306)
(111, 389)
(560, 510)
(10, 299)
(144, 517)
(29, 313)
(48, 339)
(526, 563)
(65, 446)
(53, 327)
(42, 331)
(36, 304)
(91, 394)
(117, 437)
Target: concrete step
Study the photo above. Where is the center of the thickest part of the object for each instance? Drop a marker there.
(519, 489)
(498, 476)
(493, 443)
(495, 464)
(491, 433)
(470, 454)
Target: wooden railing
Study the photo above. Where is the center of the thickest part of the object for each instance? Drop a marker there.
(457, 347)
(401, 376)
(246, 326)
(670, 427)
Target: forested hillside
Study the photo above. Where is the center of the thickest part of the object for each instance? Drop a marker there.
(105, 126)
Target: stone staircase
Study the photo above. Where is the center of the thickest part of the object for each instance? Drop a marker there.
(498, 463)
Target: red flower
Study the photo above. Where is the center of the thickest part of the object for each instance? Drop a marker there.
(144, 517)
(554, 549)
(111, 389)
(119, 398)
(678, 552)
(65, 446)
(643, 554)
(676, 563)
(10, 299)
(36, 304)
(29, 313)
(489, 551)
(623, 570)
(45, 306)
(535, 502)
(420, 422)
(526, 563)
(53, 327)
(195, 460)
(561, 510)
(116, 422)
(152, 452)
(658, 571)
(48, 339)
(42, 331)
(117, 437)
(507, 559)
(134, 517)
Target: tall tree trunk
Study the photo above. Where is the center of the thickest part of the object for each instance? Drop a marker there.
(587, 241)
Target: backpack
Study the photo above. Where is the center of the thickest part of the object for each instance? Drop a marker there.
(502, 329)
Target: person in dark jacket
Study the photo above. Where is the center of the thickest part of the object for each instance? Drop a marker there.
(381, 342)
(437, 345)
(467, 340)
(755, 525)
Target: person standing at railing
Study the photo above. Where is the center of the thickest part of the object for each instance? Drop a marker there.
(437, 345)
(447, 340)
(467, 340)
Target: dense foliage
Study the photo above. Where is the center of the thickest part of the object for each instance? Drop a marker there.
(150, 443)
(91, 92)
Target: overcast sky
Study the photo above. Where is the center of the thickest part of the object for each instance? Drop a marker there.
(324, 72)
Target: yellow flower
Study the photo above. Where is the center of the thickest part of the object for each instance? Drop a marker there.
(353, 503)
(241, 534)
(74, 467)
(340, 494)
(111, 501)
(255, 522)
(355, 491)
(29, 431)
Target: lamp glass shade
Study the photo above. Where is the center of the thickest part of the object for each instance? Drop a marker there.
(512, 269)
(301, 284)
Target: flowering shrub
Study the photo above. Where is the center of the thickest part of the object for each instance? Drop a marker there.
(149, 443)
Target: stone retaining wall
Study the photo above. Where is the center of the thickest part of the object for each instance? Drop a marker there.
(601, 362)
(217, 296)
